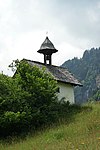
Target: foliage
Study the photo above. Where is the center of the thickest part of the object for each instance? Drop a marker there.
(41, 88)
(87, 70)
(14, 112)
(14, 65)
(28, 100)
(96, 96)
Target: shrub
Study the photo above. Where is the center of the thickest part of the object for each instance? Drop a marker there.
(27, 100)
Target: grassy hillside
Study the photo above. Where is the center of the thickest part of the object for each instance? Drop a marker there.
(83, 133)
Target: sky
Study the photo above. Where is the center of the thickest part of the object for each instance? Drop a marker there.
(73, 26)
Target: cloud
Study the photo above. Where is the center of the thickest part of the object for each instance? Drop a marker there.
(72, 26)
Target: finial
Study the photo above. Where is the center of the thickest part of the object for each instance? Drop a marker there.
(47, 34)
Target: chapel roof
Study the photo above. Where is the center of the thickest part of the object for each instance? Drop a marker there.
(59, 73)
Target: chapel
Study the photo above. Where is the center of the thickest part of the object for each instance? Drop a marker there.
(66, 81)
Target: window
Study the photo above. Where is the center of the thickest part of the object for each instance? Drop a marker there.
(58, 89)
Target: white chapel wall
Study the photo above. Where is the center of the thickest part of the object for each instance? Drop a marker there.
(66, 91)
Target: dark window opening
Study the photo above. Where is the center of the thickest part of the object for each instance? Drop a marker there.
(58, 89)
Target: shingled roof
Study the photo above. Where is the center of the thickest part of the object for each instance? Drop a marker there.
(47, 45)
(59, 73)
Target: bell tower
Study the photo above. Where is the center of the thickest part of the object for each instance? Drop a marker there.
(47, 49)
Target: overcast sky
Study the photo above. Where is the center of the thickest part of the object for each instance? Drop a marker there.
(72, 25)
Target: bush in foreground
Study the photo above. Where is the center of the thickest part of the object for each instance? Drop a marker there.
(28, 100)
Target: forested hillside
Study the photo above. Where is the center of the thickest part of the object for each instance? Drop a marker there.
(87, 70)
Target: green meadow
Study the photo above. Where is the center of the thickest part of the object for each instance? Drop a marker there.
(80, 133)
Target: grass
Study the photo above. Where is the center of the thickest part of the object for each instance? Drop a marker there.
(81, 134)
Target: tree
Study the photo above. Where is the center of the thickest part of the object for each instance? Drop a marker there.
(96, 96)
(14, 112)
(28, 100)
(14, 65)
(41, 88)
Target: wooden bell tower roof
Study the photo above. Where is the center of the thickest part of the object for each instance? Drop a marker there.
(47, 49)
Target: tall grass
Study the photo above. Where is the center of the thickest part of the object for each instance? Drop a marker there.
(83, 133)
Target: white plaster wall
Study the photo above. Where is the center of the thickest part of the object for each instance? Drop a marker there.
(66, 91)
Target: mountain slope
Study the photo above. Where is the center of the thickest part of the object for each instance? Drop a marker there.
(87, 70)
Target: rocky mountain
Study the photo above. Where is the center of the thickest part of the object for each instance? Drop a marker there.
(87, 70)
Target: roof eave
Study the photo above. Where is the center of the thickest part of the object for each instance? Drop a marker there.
(74, 84)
